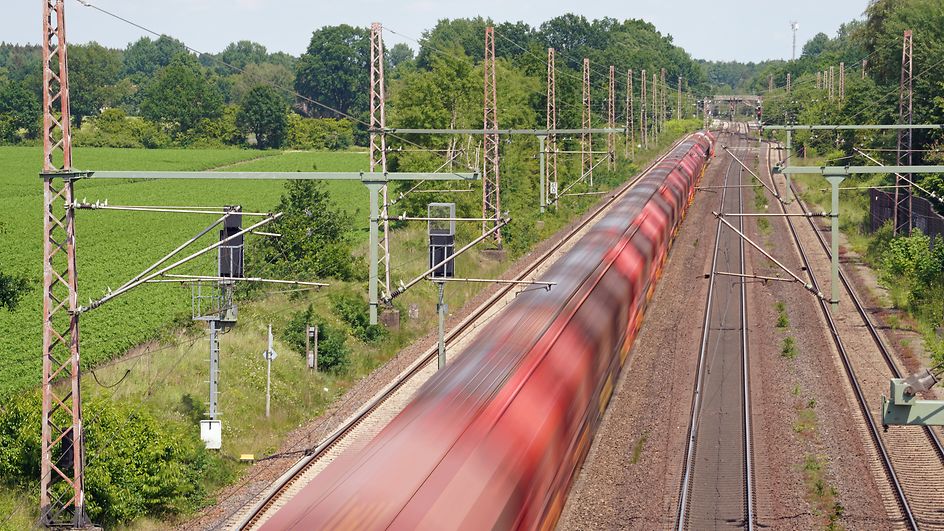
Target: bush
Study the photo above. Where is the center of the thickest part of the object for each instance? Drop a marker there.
(353, 310)
(136, 465)
(113, 128)
(318, 133)
(333, 353)
(216, 132)
(11, 289)
(909, 263)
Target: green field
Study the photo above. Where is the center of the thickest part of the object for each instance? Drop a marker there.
(113, 246)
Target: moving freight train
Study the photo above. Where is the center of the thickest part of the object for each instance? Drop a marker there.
(494, 440)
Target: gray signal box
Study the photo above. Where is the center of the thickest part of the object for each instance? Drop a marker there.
(442, 238)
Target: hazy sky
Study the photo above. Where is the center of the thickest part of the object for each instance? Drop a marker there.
(721, 29)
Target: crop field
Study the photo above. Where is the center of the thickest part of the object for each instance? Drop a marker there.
(113, 246)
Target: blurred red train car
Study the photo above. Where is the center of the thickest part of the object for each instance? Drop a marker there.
(494, 439)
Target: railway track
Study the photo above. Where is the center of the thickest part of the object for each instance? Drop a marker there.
(907, 460)
(716, 488)
(368, 421)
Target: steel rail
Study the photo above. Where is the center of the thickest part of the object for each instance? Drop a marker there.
(873, 331)
(259, 509)
(688, 466)
(853, 380)
(746, 381)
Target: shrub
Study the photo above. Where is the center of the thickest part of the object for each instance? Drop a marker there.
(318, 133)
(113, 128)
(353, 310)
(11, 289)
(136, 465)
(910, 264)
(333, 352)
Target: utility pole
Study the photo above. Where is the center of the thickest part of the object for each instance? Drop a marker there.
(789, 83)
(819, 80)
(842, 82)
(63, 439)
(770, 83)
(586, 139)
(663, 99)
(655, 108)
(865, 63)
(630, 112)
(832, 82)
(611, 120)
(269, 355)
(491, 182)
(794, 26)
(678, 101)
(643, 126)
(905, 94)
(551, 147)
(378, 143)
(441, 309)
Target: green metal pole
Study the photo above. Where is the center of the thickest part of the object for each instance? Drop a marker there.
(789, 154)
(441, 309)
(543, 184)
(834, 180)
(374, 189)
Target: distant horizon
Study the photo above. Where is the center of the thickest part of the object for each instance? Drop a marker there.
(695, 29)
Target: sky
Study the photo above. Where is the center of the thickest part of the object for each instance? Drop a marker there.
(719, 30)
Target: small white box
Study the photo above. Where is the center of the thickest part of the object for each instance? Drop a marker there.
(211, 433)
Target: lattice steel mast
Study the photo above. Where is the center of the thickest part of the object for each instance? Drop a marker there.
(655, 107)
(663, 99)
(586, 139)
(678, 104)
(378, 142)
(611, 120)
(905, 117)
(491, 182)
(551, 147)
(643, 126)
(630, 112)
(832, 82)
(63, 440)
(842, 82)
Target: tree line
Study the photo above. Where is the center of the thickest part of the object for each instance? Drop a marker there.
(869, 98)
(157, 92)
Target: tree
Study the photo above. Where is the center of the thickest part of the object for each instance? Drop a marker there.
(815, 46)
(93, 72)
(181, 95)
(264, 115)
(262, 74)
(400, 53)
(19, 109)
(334, 71)
(316, 239)
(144, 57)
(237, 55)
